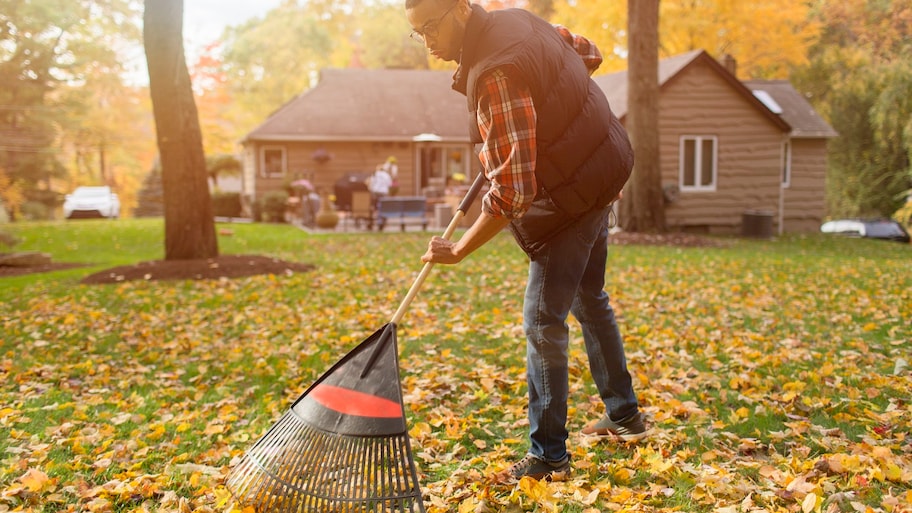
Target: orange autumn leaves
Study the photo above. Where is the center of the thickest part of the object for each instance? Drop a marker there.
(773, 384)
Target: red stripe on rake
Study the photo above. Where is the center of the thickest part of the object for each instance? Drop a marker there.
(351, 402)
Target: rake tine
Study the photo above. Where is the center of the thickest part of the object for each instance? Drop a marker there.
(337, 464)
(370, 475)
(331, 485)
(292, 468)
(306, 472)
(364, 470)
(353, 479)
(387, 457)
(271, 448)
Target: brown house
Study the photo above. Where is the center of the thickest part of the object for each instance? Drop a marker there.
(730, 148)
(727, 147)
(352, 121)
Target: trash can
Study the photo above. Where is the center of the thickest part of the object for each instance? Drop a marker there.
(757, 224)
(443, 214)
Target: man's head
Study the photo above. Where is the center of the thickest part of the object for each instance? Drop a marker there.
(439, 24)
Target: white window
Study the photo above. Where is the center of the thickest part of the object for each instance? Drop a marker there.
(698, 163)
(272, 162)
(786, 164)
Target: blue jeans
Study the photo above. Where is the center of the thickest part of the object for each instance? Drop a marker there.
(568, 275)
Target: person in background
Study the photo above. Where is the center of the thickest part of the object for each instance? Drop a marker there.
(379, 185)
(392, 168)
(556, 158)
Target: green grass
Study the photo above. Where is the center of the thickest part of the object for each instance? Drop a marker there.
(755, 362)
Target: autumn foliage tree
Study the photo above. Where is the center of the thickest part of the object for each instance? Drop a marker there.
(47, 49)
(189, 223)
(859, 76)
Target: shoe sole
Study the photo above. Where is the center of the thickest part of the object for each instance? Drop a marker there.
(555, 476)
(619, 437)
(505, 477)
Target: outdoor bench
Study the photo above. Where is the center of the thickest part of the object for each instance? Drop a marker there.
(402, 209)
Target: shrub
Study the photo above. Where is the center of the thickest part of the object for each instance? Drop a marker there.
(150, 200)
(35, 211)
(226, 204)
(272, 206)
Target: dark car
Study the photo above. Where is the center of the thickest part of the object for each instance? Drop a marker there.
(884, 229)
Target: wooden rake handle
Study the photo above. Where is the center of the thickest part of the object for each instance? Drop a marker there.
(460, 213)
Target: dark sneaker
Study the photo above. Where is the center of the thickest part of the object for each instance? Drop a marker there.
(629, 429)
(537, 468)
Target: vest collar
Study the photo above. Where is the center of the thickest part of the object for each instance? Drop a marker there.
(474, 28)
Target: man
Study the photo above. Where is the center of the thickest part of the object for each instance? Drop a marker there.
(556, 158)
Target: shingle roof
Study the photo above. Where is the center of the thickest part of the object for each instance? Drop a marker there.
(397, 105)
(364, 105)
(805, 121)
(615, 84)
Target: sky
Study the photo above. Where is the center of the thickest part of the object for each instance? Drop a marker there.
(204, 21)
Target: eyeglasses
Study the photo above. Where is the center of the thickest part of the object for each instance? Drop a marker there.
(431, 28)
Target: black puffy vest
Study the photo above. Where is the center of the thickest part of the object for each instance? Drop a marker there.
(584, 156)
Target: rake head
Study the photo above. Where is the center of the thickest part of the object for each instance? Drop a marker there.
(343, 446)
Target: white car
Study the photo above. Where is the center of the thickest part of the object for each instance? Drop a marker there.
(92, 202)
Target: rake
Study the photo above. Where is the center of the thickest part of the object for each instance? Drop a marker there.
(343, 445)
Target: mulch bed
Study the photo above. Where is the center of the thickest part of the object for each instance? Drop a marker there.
(224, 266)
(8, 270)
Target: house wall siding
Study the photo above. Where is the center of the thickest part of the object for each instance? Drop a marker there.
(346, 157)
(805, 198)
(699, 102)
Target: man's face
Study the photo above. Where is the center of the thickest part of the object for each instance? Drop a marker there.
(441, 25)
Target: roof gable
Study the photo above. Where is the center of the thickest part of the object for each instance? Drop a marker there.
(362, 104)
(615, 85)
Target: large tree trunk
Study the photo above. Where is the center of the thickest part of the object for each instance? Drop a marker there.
(643, 205)
(189, 225)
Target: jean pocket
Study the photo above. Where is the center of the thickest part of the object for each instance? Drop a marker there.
(591, 225)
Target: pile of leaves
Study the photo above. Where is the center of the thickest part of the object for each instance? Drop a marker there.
(774, 375)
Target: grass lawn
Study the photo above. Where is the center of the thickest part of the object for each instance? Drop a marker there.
(776, 374)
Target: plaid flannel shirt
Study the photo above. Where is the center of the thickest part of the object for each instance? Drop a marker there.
(506, 119)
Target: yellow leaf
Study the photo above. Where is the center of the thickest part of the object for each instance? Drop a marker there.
(468, 505)
(222, 496)
(893, 472)
(591, 498)
(536, 490)
(214, 429)
(810, 503)
(36, 481)
(420, 430)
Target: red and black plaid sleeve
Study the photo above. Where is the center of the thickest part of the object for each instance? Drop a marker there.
(591, 55)
(506, 119)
